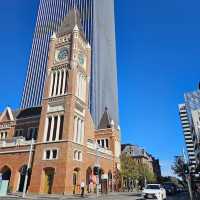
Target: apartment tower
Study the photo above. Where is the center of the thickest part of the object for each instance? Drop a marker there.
(185, 122)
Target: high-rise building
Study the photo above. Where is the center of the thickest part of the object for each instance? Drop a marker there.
(99, 27)
(189, 115)
(187, 134)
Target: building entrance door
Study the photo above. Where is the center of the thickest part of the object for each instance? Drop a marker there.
(5, 174)
(48, 180)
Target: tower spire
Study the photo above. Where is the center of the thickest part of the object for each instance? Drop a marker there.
(70, 21)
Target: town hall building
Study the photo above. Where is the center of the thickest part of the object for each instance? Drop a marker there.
(59, 137)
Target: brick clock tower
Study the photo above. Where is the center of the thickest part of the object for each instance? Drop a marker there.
(65, 150)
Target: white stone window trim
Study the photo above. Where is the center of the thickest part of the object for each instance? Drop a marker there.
(77, 155)
(54, 83)
(3, 135)
(79, 129)
(52, 116)
(101, 142)
(81, 85)
(79, 113)
(51, 153)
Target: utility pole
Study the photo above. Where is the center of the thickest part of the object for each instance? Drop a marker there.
(27, 169)
(188, 178)
(188, 175)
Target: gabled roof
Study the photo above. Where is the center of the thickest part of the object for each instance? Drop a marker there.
(71, 21)
(7, 115)
(106, 121)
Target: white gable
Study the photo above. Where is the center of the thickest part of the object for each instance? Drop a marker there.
(7, 110)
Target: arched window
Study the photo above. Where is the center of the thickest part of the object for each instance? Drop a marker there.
(81, 86)
(53, 77)
(77, 155)
(59, 82)
(78, 130)
(66, 79)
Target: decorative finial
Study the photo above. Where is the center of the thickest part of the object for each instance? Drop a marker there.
(112, 124)
(53, 37)
(88, 46)
(76, 28)
(118, 128)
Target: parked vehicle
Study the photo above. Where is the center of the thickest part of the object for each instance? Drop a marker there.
(169, 190)
(153, 191)
(172, 186)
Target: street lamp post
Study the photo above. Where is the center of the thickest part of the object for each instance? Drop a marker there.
(98, 166)
(188, 175)
(27, 169)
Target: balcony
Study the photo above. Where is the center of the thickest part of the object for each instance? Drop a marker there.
(15, 142)
(92, 145)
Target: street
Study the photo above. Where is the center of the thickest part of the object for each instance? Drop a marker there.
(113, 196)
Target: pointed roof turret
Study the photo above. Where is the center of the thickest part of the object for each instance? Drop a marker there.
(70, 22)
(106, 121)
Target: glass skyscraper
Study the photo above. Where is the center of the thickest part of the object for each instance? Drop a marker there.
(99, 26)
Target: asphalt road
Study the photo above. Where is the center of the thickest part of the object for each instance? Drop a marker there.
(114, 196)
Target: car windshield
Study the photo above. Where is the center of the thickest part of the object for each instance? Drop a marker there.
(153, 187)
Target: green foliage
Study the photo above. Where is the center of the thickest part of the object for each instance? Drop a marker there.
(130, 168)
(179, 167)
(146, 173)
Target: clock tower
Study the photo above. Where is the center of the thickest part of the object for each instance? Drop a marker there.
(65, 123)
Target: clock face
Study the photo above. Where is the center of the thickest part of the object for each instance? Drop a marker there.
(81, 59)
(62, 54)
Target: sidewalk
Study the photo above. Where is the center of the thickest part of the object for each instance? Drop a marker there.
(53, 196)
(62, 197)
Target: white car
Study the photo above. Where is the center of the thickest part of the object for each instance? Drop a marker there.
(154, 191)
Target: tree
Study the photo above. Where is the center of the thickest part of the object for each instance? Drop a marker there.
(131, 170)
(145, 174)
(179, 166)
(129, 167)
(117, 179)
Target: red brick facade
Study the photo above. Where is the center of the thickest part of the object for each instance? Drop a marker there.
(64, 152)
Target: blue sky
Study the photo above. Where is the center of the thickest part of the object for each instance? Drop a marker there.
(158, 54)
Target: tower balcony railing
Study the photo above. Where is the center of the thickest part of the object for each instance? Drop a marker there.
(92, 145)
(16, 141)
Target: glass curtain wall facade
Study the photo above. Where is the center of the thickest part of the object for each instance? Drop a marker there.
(99, 26)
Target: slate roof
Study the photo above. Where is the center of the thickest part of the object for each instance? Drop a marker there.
(29, 112)
(70, 21)
(105, 120)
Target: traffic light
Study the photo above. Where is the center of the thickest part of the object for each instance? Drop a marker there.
(96, 170)
(186, 169)
(23, 170)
